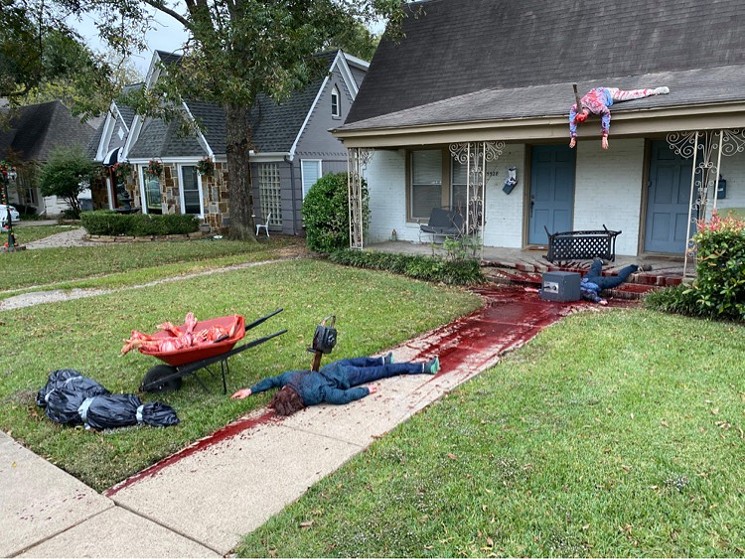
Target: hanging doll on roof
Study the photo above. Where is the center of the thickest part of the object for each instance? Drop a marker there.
(598, 101)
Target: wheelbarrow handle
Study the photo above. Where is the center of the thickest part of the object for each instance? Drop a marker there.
(196, 365)
(258, 321)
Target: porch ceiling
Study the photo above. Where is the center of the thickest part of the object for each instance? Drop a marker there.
(699, 99)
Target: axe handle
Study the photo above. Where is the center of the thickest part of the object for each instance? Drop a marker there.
(316, 361)
(576, 97)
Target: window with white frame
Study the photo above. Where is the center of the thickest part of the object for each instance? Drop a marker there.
(310, 171)
(459, 186)
(190, 191)
(335, 102)
(151, 193)
(270, 194)
(426, 182)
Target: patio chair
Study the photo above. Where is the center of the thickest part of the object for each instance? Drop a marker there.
(264, 226)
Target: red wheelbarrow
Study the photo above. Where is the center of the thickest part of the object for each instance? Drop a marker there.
(187, 360)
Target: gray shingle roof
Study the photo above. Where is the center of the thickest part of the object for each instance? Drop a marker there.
(275, 126)
(711, 85)
(36, 130)
(457, 47)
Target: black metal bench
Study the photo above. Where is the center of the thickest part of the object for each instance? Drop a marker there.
(582, 245)
(442, 223)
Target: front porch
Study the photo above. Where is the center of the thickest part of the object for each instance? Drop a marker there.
(508, 265)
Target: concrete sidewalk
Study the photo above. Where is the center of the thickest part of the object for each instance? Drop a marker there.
(200, 501)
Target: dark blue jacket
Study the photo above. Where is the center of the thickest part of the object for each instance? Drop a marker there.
(313, 387)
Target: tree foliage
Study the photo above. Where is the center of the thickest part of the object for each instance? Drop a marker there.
(66, 174)
(39, 50)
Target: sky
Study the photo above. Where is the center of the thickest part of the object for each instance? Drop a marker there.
(168, 35)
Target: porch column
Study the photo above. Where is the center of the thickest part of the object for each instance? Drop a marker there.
(475, 156)
(706, 148)
(357, 160)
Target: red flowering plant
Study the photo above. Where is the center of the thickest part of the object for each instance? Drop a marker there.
(122, 170)
(206, 166)
(154, 167)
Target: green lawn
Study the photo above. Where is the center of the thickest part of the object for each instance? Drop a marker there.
(374, 311)
(24, 269)
(618, 433)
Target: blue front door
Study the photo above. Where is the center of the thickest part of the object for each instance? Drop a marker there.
(551, 192)
(667, 204)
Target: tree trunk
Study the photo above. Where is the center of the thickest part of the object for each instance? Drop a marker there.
(238, 144)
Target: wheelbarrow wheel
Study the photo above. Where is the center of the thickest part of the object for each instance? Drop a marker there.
(156, 379)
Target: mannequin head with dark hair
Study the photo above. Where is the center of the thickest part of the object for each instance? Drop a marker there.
(286, 401)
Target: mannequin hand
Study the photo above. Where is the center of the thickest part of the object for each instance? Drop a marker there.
(572, 142)
(603, 302)
(240, 394)
(372, 388)
(604, 142)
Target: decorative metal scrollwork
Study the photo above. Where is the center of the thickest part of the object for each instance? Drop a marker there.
(682, 143)
(460, 151)
(357, 161)
(733, 141)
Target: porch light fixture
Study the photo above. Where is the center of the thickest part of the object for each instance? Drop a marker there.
(7, 174)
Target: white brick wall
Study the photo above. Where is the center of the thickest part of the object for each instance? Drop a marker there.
(504, 213)
(732, 170)
(386, 182)
(608, 190)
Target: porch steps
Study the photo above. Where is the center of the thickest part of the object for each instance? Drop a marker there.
(530, 273)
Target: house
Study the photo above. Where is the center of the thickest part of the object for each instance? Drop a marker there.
(106, 147)
(292, 149)
(478, 87)
(34, 131)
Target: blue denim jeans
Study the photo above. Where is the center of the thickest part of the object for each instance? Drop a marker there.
(595, 275)
(362, 370)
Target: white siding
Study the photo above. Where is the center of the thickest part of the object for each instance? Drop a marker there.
(608, 190)
(504, 213)
(386, 182)
(732, 170)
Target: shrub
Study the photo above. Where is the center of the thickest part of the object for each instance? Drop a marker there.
(66, 174)
(326, 213)
(452, 272)
(720, 268)
(679, 299)
(719, 288)
(107, 222)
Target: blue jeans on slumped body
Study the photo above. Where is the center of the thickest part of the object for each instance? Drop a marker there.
(363, 370)
(595, 275)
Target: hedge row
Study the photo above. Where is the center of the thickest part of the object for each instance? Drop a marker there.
(107, 222)
(452, 272)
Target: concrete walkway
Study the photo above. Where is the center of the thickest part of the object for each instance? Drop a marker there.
(200, 501)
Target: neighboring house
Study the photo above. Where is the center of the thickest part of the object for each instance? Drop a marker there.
(292, 149)
(34, 132)
(490, 82)
(106, 147)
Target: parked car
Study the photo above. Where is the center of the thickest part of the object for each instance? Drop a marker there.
(14, 215)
